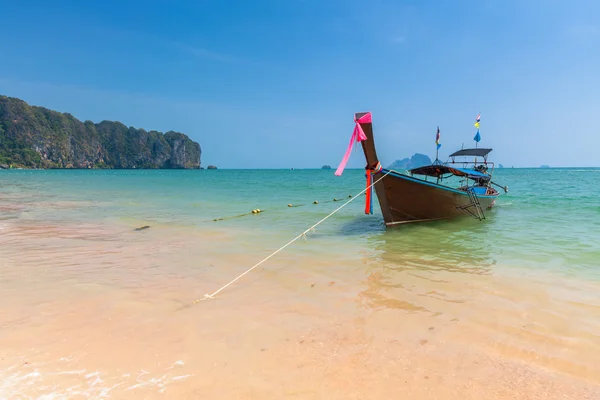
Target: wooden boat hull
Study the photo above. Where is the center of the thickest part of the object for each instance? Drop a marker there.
(405, 199)
(411, 199)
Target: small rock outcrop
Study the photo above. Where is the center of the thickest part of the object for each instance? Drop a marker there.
(326, 167)
(211, 167)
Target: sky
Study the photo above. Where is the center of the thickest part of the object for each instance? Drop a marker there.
(276, 83)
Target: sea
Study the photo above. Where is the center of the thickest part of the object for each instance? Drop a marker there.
(106, 279)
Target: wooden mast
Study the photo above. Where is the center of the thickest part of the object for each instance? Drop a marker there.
(372, 160)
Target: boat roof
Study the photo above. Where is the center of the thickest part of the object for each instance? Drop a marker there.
(437, 170)
(477, 152)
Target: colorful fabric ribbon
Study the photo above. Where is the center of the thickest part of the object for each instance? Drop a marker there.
(369, 199)
(358, 135)
(369, 192)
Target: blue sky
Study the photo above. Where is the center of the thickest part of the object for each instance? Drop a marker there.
(275, 83)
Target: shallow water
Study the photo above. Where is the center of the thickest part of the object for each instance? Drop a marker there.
(503, 308)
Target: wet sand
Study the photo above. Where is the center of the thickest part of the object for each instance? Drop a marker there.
(102, 311)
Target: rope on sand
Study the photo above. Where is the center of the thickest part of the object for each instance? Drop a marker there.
(302, 235)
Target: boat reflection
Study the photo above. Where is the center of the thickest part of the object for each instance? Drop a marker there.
(464, 247)
(432, 260)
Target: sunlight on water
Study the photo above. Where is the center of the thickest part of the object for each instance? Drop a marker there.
(93, 307)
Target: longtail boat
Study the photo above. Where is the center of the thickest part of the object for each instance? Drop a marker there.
(423, 193)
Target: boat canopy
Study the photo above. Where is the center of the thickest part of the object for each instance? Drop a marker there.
(477, 152)
(440, 170)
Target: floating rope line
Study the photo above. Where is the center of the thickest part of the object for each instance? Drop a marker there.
(302, 235)
(258, 211)
(317, 202)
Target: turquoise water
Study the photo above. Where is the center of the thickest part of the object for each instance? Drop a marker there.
(91, 306)
(549, 220)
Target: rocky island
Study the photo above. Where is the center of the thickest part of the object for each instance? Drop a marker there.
(417, 160)
(35, 137)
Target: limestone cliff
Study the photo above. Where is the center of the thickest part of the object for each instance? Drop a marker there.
(40, 138)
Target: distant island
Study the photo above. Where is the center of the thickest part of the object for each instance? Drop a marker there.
(416, 161)
(211, 167)
(326, 167)
(544, 166)
(35, 137)
(500, 166)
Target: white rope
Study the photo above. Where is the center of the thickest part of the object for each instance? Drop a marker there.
(302, 235)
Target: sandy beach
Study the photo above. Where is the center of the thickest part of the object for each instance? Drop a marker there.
(103, 311)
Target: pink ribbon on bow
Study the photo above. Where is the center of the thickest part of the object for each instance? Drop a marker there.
(358, 135)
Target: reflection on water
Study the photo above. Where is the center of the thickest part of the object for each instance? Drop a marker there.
(463, 246)
(423, 267)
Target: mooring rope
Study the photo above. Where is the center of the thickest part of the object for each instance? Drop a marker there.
(302, 235)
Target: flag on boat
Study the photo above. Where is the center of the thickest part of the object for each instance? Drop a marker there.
(437, 138)
(477, 137)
